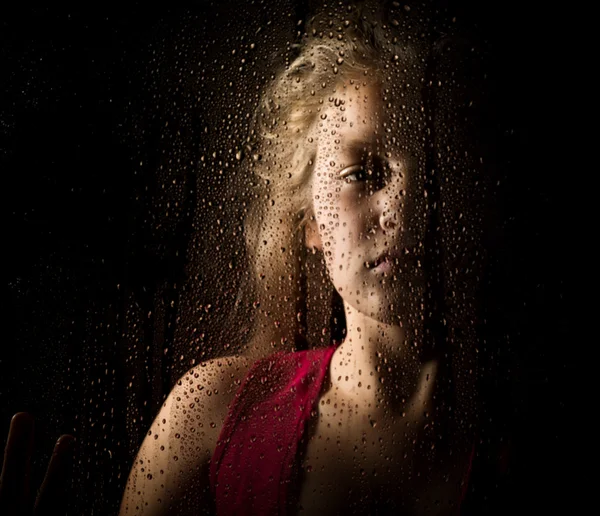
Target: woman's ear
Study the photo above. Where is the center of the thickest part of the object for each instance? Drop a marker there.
(312, 239)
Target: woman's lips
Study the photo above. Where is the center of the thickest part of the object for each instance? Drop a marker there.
(384, 266)
(384, 263)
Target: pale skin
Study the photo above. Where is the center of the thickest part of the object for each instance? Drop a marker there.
(380, 390)
(375, 433)
(358, 220)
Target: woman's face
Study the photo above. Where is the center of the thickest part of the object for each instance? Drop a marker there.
(365, 201)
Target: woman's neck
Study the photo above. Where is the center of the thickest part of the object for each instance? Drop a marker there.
(381, 363)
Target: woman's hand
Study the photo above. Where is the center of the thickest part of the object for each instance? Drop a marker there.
(15, 497)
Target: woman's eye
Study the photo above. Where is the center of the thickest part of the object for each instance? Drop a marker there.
(353, 174)
(371, 170)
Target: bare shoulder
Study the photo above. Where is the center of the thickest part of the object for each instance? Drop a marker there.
(205, 392)
(198, 403)
(224, 373)
(170, 471)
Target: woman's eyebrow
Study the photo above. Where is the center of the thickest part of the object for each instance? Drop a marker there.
(357, 145)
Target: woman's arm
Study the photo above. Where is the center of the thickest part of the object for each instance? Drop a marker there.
(170, 474)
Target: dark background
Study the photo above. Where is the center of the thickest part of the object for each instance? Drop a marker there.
(105, 116)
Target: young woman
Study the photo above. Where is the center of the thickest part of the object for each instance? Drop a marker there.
(345, 149)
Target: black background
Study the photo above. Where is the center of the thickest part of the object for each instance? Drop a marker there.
(89, 143)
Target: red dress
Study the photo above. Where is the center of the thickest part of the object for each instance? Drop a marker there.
(254, 460)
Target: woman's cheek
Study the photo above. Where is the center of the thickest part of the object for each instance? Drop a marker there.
(352, 216)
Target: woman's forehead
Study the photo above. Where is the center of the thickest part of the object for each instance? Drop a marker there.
(351, 113)
(359, 115)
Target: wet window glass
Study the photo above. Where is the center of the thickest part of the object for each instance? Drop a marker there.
(283, 257)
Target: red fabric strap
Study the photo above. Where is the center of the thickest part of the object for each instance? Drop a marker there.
(256, 452)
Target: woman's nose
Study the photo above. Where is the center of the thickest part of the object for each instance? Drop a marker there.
(388, 208)
(388, 219)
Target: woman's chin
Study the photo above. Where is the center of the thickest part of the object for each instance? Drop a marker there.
(385, 309)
